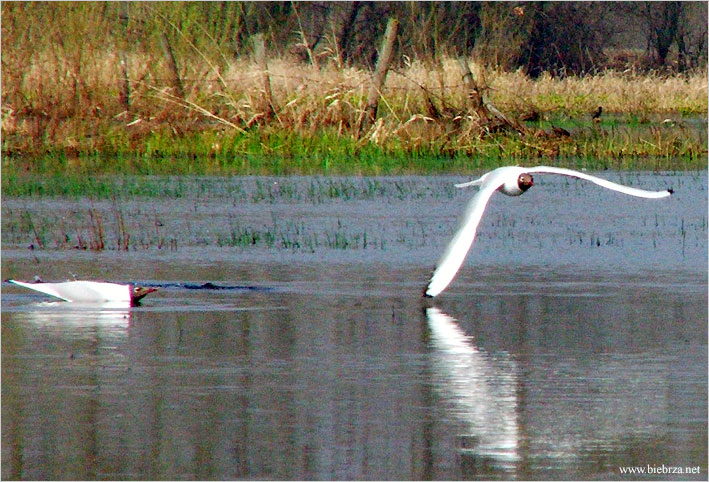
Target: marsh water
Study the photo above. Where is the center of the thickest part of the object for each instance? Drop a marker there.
(289, 339)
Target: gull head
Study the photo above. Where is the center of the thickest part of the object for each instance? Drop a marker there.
(139, 292)
(525, 181)
(516, 184)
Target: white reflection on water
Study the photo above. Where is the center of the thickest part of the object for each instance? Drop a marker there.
(74, 321)
(479, 391)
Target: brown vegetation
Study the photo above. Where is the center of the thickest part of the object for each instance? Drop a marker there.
(117, 79)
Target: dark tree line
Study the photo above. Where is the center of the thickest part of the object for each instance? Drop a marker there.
(670, 23)
(557, 37)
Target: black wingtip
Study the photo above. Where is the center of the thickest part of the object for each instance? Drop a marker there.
(424, 293)
(671, 191)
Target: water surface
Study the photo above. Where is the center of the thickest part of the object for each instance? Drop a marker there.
(572, 345)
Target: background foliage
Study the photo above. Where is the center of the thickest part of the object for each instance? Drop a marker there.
(146, 80)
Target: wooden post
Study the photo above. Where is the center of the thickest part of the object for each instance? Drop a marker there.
(260, 56)
(369, 114)
(487, 112)
(474, 96)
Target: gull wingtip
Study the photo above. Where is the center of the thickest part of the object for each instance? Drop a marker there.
(429, 292)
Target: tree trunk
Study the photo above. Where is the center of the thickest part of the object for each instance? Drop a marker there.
(347, 28)
(663, 25)
(172, 64)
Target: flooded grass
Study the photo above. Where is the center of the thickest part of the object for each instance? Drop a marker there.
(295, 236)
(255, 190)
(377, 216)
(116, 229)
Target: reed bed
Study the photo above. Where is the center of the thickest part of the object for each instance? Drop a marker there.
(63, 112)
(155, 88)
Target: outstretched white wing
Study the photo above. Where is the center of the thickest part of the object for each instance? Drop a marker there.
(82, 291)
(459, 246)
(601, 182)
(476, 182)
(46, 288)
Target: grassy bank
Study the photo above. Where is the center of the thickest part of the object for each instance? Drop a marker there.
(271, 151)
(116, 111)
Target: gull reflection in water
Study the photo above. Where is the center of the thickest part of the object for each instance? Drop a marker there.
(78, 320)
(479, 391)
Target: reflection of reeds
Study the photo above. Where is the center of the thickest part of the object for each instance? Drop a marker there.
(123, 238)
(96, 230)
(39, 240)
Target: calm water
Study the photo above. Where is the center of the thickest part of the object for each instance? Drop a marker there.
(572, 345)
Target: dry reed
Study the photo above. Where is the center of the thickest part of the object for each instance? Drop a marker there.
(71, 103)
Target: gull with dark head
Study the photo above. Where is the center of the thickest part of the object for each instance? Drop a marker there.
(513, 181)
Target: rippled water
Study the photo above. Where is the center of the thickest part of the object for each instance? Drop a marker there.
(572, 345)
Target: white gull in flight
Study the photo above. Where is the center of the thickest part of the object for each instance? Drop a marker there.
(513, 181)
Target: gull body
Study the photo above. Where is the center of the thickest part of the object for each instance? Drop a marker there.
(513, 181)
(90, 291)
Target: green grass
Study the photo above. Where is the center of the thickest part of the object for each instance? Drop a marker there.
(614, 144)
(294, 236)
